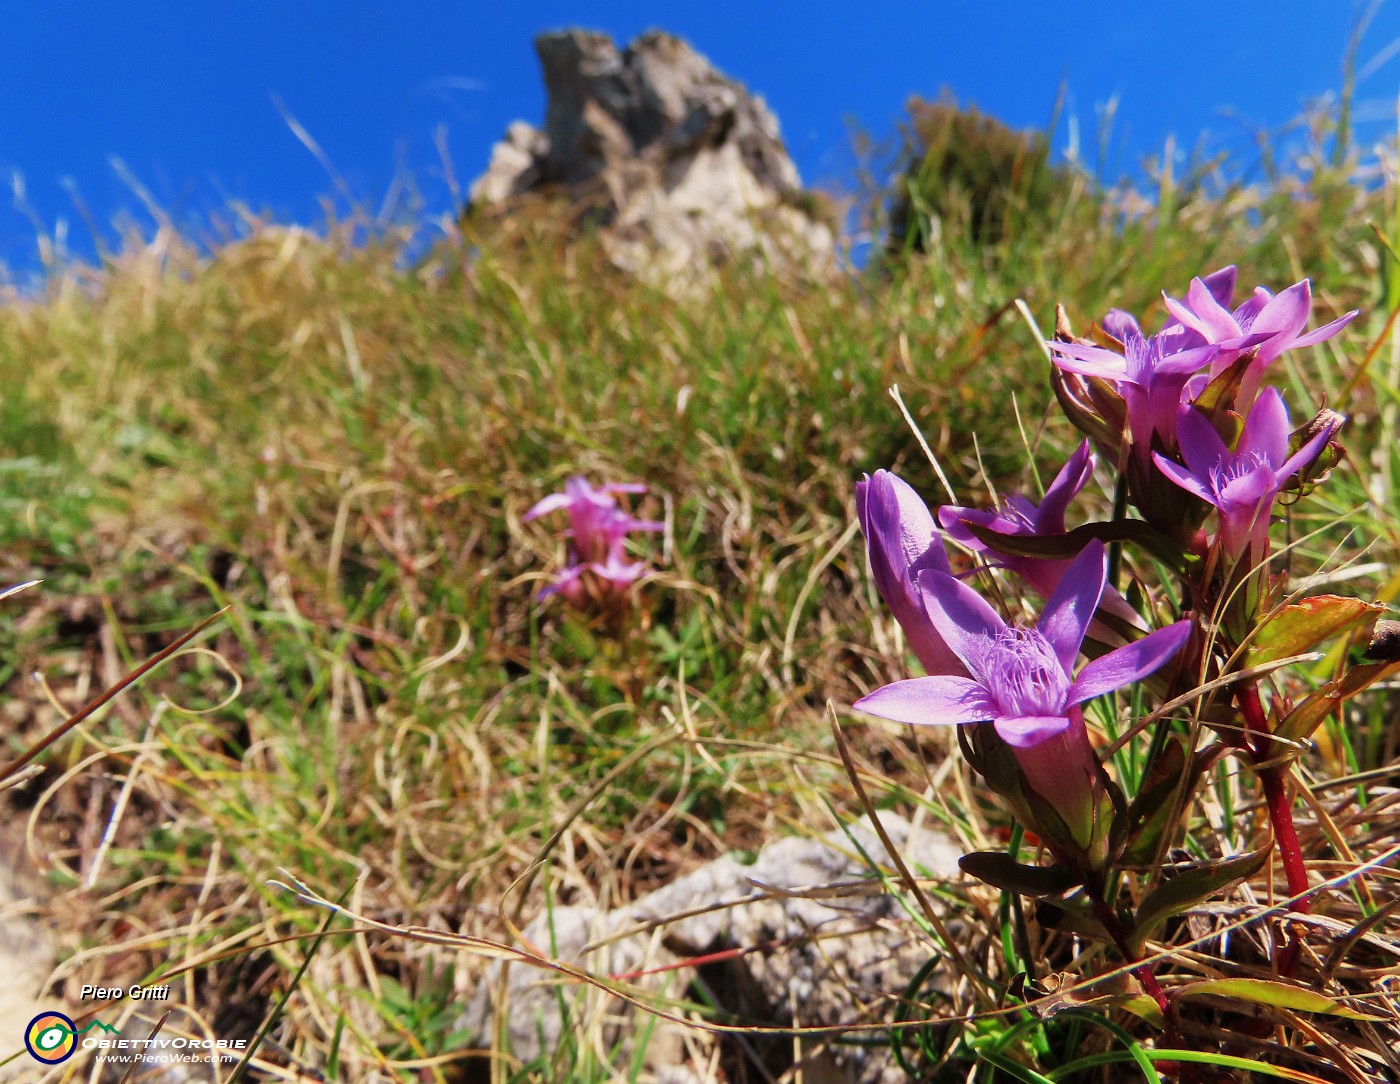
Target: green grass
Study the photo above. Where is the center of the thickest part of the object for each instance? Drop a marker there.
(339, 445)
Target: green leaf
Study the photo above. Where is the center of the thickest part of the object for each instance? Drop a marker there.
(1194, 886)
(1069, 544)
(1155, 803)
(1303, 625)
(1280, 995)
(1002, 871)
(1070, 916)
(1217, 400)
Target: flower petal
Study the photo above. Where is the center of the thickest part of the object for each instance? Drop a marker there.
(1182, 314)
(1326, 331)
(1130, 663)
(1286, 313)
(894, 517)
(943, 700)
(1241, 498)
(901, 540)
(1185, 362)
(564, 582)
(1247, 313)
(618, 570)
(962, 617)
(1221, 285)
(1067, 484)
(1071, 606)
(1184, 478)
(1121, 324)
(1266, 429)
(1211, 312)
(576, 487)
(1028, 731)
(1089, 360)
(553, 503)
(1200, 444)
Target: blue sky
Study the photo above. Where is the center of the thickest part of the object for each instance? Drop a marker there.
(193, 96)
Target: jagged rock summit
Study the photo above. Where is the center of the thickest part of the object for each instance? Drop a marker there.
(679, 165)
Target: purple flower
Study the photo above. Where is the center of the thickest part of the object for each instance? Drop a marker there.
(596, 580)
(1154, 375)
(598, 530)
(1021, 680)
(1150, 375)
(1153, 371)
(1021, 516)
(1272, 324)
(902, 542)
(1242, 484)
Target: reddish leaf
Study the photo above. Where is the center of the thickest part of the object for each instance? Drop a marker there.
(1303, 625)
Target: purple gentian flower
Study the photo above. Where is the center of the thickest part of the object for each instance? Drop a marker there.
(1272, 324)
(902, 542)
(598, 529)
(1022, 681)
(1242, 484)
(608, 579)
(1150, 375)
(1021, 516)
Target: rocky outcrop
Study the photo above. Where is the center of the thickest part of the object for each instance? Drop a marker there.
(817, 942)
(679, 165)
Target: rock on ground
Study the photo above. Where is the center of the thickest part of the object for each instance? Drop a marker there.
(827, 946)
(26, 959)
(680, 165)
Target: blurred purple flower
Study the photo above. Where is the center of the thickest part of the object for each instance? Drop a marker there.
(1242, 484)
(1022, 681)
(902, 541)
(598, 530)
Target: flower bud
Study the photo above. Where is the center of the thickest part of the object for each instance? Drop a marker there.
(1328, 422)
(1385, 641)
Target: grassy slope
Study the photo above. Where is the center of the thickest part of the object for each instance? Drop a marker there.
(342, 449)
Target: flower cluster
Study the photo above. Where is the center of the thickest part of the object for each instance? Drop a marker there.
(1207, 452)
(598, 573)
(1131, 395)
(1021, 681)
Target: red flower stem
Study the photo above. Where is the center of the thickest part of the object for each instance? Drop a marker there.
(1104, 913)
(1274, 779)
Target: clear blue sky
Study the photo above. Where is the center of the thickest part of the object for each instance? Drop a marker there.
(185, 92)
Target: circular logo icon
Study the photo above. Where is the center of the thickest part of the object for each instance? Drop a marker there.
(51, 1038)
